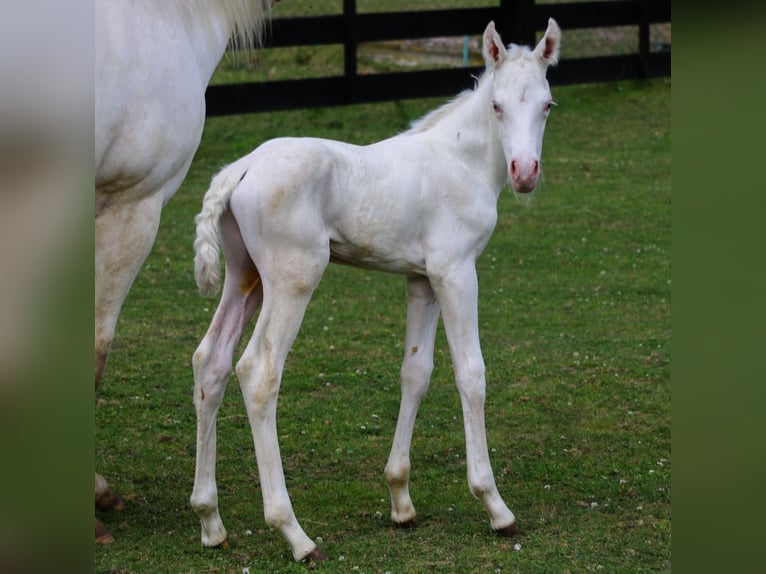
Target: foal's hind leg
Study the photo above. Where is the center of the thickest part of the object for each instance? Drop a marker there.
(242, 294)
(422, 318)
(287, 292)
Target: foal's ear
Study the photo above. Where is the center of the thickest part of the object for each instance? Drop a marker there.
(493, 50)
(547, 51)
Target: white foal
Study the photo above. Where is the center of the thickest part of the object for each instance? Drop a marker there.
(422, 204)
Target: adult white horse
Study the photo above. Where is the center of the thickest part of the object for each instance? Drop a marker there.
(154, 60)
(422, 204)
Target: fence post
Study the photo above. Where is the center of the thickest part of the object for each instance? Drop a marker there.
(643, 38)
(518, 21)
(349, 48)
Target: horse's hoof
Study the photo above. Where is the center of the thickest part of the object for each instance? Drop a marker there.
(102, 536)
(508, 531)
(223, 545)
(109, 501)
(316, 555)
(406, 524)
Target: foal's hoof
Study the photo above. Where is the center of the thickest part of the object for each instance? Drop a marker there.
(109, 501)
(316, 555)
(508, 531)
(406, 525)
(102, 536)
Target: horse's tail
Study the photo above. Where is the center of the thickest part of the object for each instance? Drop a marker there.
(207, 268)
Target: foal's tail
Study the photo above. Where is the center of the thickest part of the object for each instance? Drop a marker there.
(207, 269)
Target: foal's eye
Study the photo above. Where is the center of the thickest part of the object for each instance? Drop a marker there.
(549, 105)
(497, 107)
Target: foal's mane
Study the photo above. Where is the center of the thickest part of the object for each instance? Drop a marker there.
(246, 18)
(434, 117)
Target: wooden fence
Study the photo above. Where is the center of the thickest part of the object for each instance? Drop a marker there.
(517, 20)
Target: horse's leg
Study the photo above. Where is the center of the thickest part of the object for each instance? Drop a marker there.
(212, 362)
(457, 293)
(124, 234)
(422, 319)
(287, 292)
(105, 500)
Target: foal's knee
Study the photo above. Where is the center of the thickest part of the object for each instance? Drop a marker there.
(416, 374)
(471, 382)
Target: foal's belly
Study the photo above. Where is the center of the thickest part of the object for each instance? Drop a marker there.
(369, 256)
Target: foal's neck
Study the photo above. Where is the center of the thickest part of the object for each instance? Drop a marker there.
(473, 130)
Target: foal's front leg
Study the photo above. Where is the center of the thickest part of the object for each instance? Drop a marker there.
(422, 318)
(457, 292)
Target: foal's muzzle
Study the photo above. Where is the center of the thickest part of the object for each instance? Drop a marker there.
(524, 173)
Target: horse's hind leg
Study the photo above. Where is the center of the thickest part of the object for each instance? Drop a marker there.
(124, 234)
(106, 499)
(422, 318)
(212, 362)
(287, 292)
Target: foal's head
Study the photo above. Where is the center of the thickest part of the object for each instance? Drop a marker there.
(521, 100)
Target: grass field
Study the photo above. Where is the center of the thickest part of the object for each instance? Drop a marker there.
(575, 322)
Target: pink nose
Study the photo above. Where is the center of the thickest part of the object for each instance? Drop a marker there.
(524, 174)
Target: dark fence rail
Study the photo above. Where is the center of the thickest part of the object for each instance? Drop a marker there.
(517, 21)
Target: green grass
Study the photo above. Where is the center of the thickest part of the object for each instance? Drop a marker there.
(575, 323)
